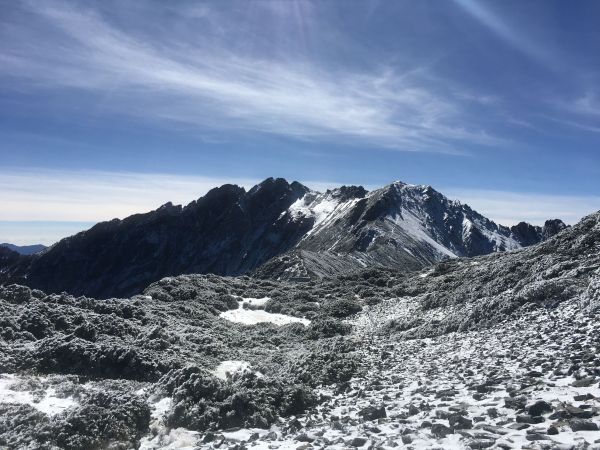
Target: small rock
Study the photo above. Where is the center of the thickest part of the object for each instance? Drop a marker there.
(459, 422)
(584, 382)
(538, 408)
(583, 425)
(515, 402)
(208, 437)
(580, 413)
(304, 438)
(373, 412)
(481, 443)
(522, 418)
(536, 437)
(412, 410)
(271, 436)
(358, 441)
(441, 414)
(552, 430)
(440, 431)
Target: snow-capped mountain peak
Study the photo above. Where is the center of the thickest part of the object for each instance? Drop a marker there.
(282, 229)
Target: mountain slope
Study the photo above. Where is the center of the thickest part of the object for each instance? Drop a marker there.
(292, 232)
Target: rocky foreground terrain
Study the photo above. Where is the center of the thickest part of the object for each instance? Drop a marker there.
(497, 351)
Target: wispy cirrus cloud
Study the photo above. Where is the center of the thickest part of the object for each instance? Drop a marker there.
(587, 105)
(212, 86)
(509, 34)
(580, 112)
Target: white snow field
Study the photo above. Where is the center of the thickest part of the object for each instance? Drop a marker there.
(249, 316)
(47, 402)
(165, 438)
(227, 368)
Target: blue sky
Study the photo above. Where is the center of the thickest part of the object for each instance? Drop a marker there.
(114, 107)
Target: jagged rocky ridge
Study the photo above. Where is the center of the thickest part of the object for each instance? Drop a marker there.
(497, 351)
(399, 226)
(276, 230)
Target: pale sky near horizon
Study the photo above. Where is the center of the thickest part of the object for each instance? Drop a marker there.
(108, 108)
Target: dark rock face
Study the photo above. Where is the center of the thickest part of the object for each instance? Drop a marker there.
(280, 230)
(527, 234)
(552, 228)
(8, 257)
(228, 232)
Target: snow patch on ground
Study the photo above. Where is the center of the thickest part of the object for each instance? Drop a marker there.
(171, 439)
(49, 403)
(252, 317)
(227, 368)
(244, 434)
(164, 438)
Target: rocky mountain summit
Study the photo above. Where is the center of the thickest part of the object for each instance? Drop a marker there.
(494, 351)
(276, 230)
(401, 226)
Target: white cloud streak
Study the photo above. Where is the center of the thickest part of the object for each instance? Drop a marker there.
(210, 87)
(504, 31)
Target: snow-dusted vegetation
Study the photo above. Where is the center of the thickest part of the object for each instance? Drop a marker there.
(500, 351)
